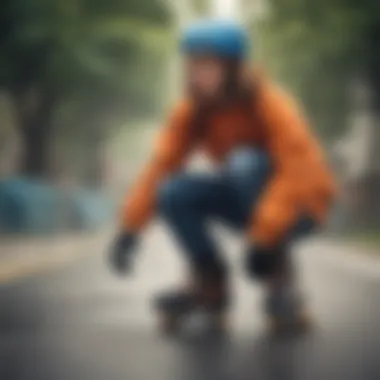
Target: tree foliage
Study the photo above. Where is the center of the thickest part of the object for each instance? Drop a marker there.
(86, 61)
(316, 47)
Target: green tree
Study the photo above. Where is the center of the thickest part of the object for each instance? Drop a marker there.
(316, 47)
(82, 59)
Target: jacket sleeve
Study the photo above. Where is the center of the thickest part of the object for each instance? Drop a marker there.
(292, 148)
(172, 147)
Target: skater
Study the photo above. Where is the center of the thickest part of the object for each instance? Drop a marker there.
(272, 182)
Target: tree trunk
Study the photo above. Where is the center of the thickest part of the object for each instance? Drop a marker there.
(367, 213)
(34, 112)
(94, 175)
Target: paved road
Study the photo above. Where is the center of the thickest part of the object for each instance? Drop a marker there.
(79, 323)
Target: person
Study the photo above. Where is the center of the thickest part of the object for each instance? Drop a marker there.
(272, 181)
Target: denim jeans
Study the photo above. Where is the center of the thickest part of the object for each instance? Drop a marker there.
(188, 202)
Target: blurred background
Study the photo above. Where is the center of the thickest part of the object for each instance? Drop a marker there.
(83, 83)
(84, 86)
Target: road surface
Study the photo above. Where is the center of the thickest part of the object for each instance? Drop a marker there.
(78, 322)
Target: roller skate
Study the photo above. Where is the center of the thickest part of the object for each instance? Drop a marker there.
(286, 312)
(206, 298)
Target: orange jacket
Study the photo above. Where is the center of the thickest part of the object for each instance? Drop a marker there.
(301, 181)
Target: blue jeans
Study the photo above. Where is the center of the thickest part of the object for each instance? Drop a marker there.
(189, 201)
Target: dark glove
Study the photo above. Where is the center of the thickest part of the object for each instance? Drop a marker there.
(122, 251)
(261, 262)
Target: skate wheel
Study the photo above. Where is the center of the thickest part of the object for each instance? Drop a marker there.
(302, 323)
(222, 323)
(305, 321)
(275, 325)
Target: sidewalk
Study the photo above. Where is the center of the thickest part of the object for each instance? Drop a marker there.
(25, 256)
(339, 253)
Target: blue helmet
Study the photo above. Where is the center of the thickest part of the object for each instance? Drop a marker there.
(224, 39)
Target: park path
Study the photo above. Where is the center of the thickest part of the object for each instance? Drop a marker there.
(75, 320)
